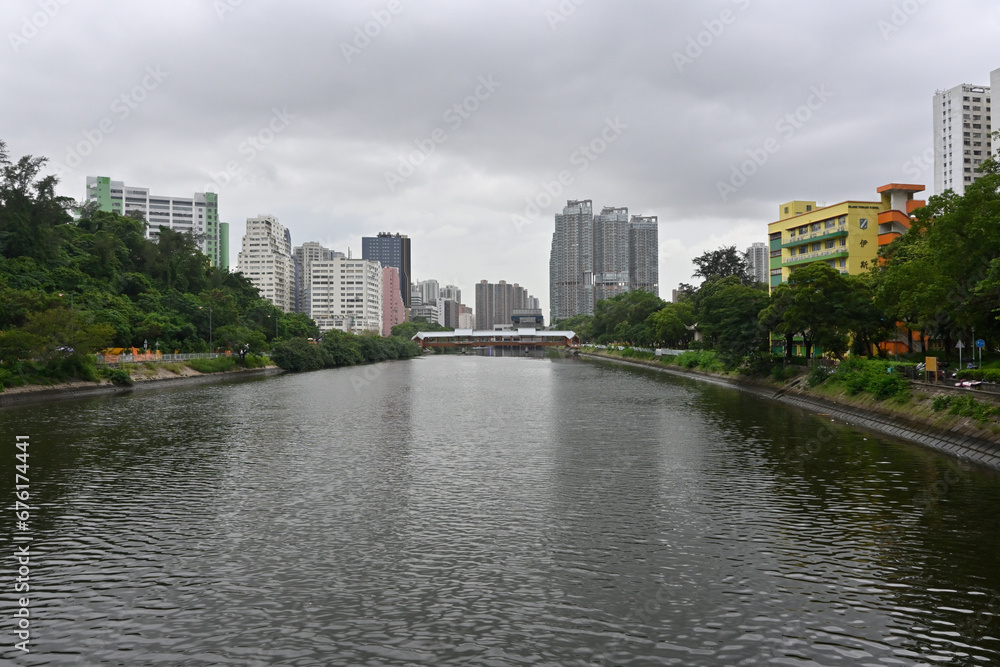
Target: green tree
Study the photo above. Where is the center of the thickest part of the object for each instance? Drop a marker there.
(942, 276)
(729, 315)
(868, 323)
(819, 305)
(616, 317)
(241, 340)
(30, 211)
(722, 263)
(670, 325)
(61, 332)
(410, 329)
(581, 325)
(297, 354)
(779, 317)
(297, 325)
(341, 349)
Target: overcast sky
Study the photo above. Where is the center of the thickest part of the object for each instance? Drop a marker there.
(452, 122)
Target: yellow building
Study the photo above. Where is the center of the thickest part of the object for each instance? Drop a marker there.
(847, 236)
(844, 235)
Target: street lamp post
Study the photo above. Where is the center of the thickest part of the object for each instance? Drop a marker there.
(209, 326)
(275, 325)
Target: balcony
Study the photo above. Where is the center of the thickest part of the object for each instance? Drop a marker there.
(822, 234)
(829, 253)
(893, 217)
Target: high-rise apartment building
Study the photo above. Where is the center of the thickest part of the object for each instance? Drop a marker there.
(346, 294)
(391, 250)
(448, 313)
(224, 246)
(451, 292)
(393, 310)
(496, 302)
(197, 215)
(962, 126)
(644, 253)
(266, 260)
(571, 262)
(430, 291)
(595, 257)
(757, 261)
(611, 257)
(305, 255)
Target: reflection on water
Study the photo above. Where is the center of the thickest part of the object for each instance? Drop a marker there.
(461, 510)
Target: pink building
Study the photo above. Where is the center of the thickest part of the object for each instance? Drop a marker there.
(393, 312)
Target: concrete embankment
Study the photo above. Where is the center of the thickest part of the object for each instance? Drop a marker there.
(69, 390)
(963, 439)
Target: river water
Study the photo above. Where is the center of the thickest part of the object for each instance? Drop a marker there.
(464, 510)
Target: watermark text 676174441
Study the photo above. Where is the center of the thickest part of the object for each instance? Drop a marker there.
(22, 545)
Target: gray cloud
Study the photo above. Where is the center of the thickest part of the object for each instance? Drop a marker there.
(691, 112)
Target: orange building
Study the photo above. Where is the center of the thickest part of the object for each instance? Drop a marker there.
(893, 222)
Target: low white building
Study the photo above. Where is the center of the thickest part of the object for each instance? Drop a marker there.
(197, 215)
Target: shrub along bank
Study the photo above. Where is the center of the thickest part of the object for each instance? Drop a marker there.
(341, 349)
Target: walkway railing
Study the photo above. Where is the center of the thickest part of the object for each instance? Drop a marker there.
(141, 357)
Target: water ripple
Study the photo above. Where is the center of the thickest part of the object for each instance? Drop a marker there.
(470, 511)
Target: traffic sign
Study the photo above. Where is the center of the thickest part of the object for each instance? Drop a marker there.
(960, 345)
(980, 343)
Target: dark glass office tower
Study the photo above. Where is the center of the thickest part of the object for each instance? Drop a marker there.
(391, 250)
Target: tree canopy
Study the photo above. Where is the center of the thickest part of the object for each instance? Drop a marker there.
(70, 286)
(722, 263)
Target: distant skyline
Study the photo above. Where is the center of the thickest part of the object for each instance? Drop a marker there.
(467, 126)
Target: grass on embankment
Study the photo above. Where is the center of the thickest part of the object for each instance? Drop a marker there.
(869, 384)
(85, 370)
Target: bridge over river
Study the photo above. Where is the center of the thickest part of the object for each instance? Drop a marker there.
(508, 338)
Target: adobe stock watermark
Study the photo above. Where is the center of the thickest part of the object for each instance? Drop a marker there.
(121, 108)
(918, 165)
(900, 16)
(250, 147)
(362, 377)
(32, 25)
(581, 158)
(563, 11)
(787, 127)
(371, 30)
(714, 27)
(224, 7)
(455, 116)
